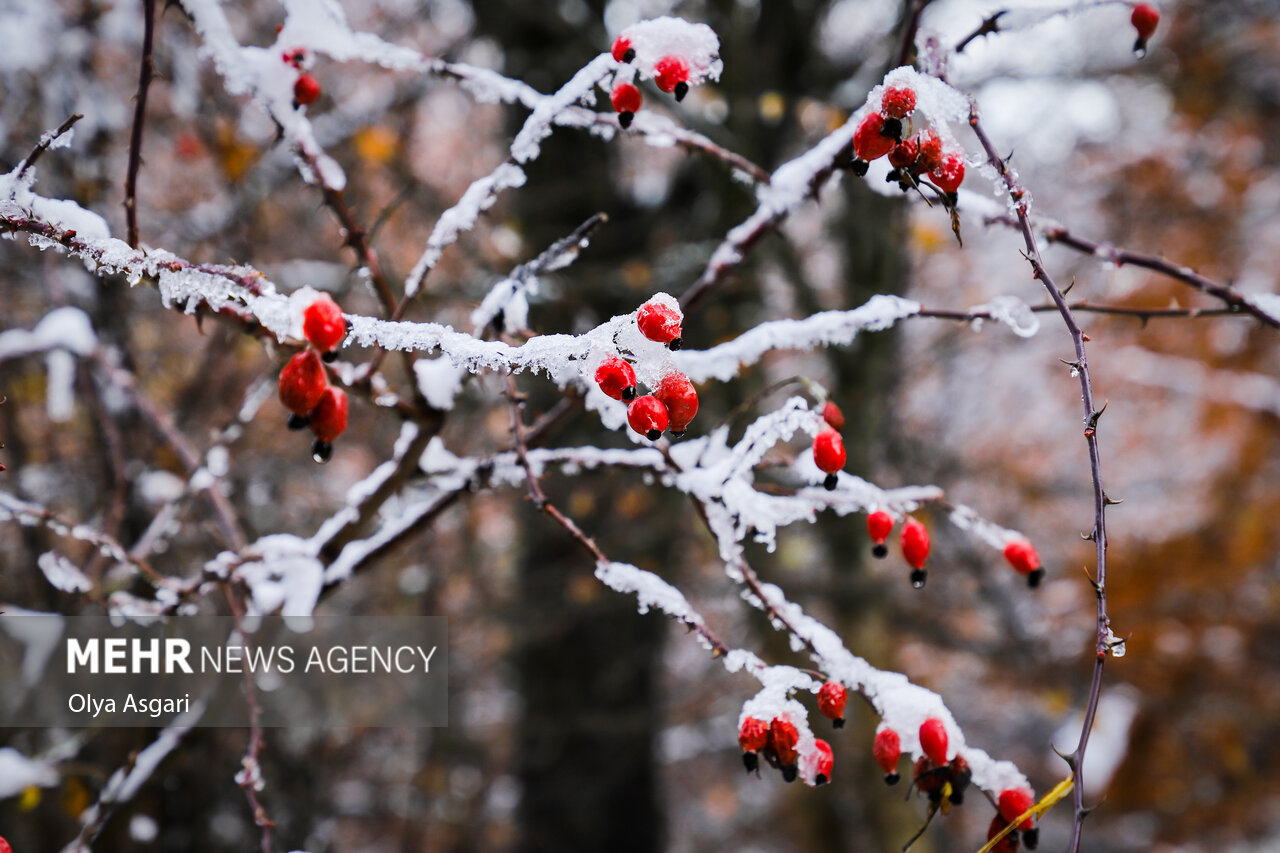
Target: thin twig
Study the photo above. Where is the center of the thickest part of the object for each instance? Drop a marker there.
(1100, 500)
(46, 140)
(906, 47)
(145, 73)
(989, 26)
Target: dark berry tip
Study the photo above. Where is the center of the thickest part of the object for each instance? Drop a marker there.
(1033, 579)
(891, 778)
(1031, 837)
(751, 761)
(820, 779)
(860, 168)
(675, 344)
(677, 433)
(918, 577)
(681, 89)
(654, 434)
(789, 773)
(892, 176)
(297, 422)
(629, 393)
(830, 482)
(953, 198)
(625, 117)
(349, 325)
(329, 357)
(892, 128)
(837, 723)
(957, 797)
(629, 54)
(321, 451)
(880, 551)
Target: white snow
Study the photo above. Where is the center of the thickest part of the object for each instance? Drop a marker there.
(17, 772)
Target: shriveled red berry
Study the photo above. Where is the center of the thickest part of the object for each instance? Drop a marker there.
(1014, 802)
(1008, 844)
(929, 151)
(898, 102)
(783, 737)
(328, 421)
(617, 379)
(306, 89)
(622, 50)
(626, 102)
(329, 417)
(660, 321)
(322, 323)
(886, 750)
(933, 740)
(869, 140)
(831, 701)
(929, 779)
(1022, 555)
(833, 416)
(904, 154)
(677, 393)
(1145, 19)
(647, 416)
(754, 735)
(296, 57)
(949, 174)
(302, 382)
(961, 776)
(915, 548)
(670, 73)
(879, 526)
(829, 455)
(823, 760)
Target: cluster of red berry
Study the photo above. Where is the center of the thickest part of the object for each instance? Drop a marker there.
(304, 384)
(670, 74)
(777, 742)
(306, 89)
(674, 402)
(914, 541)
(884, 133)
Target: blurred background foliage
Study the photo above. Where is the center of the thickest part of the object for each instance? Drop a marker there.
(576, 723)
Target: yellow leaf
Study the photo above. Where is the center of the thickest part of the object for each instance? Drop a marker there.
(30, 798)
(376, 144)
(1037, 811)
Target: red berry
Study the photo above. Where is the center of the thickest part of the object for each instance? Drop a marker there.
(617, 379)
(669, 72)
(933, 740)
(626, 102)
(1145, 18)
(898, 102)
(306, 90)
(831, 701)
(828, 451)
(783, 738)
(622, 50)
(329, 417)
(1008, 844)
(833, 416)
(660, 322)
(823, 759)
(949, 174)
(302, 382)
(869, 141)
(886, 750)
(677, 393)
(754, 735)
(295, 57)
(1014, 802)
(1022, 555)
(915, 543)
(647, 416)
(879, 526)
(904, 154)
(322, 323)
(929, 148)
(4, 846)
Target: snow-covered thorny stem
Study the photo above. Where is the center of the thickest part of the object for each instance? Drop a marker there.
(1092, 414)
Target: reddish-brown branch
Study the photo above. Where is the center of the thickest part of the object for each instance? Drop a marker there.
(145, 74)
(1092, 413)
(46, 140)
